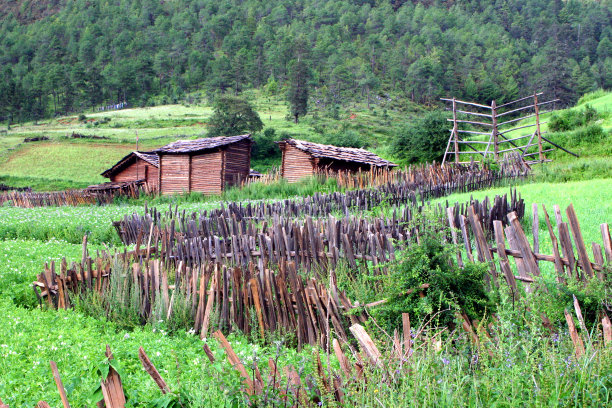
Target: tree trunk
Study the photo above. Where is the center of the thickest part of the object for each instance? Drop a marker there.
(296, 118)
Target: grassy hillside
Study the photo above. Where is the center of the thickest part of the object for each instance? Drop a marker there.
(64, 162)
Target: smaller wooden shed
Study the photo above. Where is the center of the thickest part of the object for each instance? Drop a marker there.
(206, 165)
(303, 159)
(136, 166)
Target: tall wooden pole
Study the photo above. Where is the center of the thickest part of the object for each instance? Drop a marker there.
(495, 138)
(455, 135)
(537, 116)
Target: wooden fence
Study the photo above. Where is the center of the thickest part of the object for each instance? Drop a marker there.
(29, 199)
(511, 243)
(257, 298)
(231, 237)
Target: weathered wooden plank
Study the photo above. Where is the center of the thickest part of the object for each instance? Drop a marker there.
(607, 242)
(152, 371)
(367, 345)
(578, 343)
(555, 248)
(583, 257)
(503, 258)
(58, 383)
(233, 359)
(523, 245)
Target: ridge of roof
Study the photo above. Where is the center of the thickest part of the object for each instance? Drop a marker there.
(188, 146)
(350, 154)
(149, 157)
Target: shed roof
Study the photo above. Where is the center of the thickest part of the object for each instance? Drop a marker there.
(149, 157)
(348, 154)
(190, 146)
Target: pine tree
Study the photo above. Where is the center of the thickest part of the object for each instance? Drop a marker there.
(298, 89)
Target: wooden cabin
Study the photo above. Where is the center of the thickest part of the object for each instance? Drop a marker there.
(206, 165)
(303, 159)
(134, 167)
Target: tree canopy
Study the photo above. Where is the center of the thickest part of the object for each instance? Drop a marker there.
(67, 56)
(233, 116)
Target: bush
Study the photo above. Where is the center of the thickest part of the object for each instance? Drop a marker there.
(571, 119)
(422, 140)
(451, 289)
(82, 118)
(346, 138)
(264, 146)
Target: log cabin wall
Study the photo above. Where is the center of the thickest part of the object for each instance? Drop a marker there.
(137, 170)
(237, 162)
(296, 164)
(206, 172)
(174, 173)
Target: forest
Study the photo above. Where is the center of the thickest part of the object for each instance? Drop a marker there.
(60, 56)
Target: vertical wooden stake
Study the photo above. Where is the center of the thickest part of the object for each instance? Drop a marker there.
(58, 383)
(537, 117)
(495, 137)
(406, 330)
(578, 344)
(455, 135)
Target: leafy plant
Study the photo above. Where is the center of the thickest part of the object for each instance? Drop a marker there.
(450, 289)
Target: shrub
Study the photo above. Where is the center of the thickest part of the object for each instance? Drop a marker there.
(422, 140)
(571, 119)
(451, 289)
(264, 146)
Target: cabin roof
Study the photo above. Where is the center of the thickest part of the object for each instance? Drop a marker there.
(348, 154)
(197, 145)
(149, 157)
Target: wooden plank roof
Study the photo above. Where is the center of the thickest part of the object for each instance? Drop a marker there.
(348, 154)
(149, 157)
(197, 145)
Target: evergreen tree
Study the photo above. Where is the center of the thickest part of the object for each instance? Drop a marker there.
(298, 90)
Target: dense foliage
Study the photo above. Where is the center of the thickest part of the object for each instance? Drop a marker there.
(423, 139)
(74, 55)
(233, 116)
(450, 289)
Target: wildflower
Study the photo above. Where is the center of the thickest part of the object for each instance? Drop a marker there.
(127, 336)
(445, 361)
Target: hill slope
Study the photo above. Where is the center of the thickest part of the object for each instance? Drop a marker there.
(149, 52)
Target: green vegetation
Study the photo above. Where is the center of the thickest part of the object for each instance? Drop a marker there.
(358, 74)
(423, 139)
(450, 289)
(53, 163)
(61, 57)
(233, 116)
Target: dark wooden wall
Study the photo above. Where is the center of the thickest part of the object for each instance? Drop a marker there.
(340, 165)
(137, 170)
(296, 164)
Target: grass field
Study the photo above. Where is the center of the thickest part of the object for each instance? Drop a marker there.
(68, 163)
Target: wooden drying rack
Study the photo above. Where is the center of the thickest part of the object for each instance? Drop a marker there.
(488, 124)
